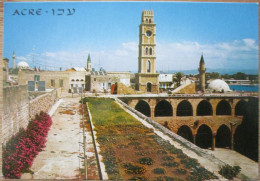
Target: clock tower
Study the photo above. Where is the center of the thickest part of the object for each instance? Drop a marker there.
(147, 78)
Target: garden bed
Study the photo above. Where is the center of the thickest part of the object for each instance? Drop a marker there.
(132, 151)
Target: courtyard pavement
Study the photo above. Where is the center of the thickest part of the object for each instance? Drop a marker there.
(61, 156)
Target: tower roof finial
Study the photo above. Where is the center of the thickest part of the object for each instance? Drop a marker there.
(201, 58)
(89, 60)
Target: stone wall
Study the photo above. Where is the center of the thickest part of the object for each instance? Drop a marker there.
(18, 109)
(15, 110)
(189, 89)
(123, 89)
(43, 103)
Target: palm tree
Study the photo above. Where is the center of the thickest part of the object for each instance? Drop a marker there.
(178, 77)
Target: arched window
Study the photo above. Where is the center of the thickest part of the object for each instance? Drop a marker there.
(204, 137)
(143, 107)
(223, 108)
(204, 108)
(185, 132)
(149, 87)
(150, 20)
(151, 51)
(148, 66)
(146, 51)
(240, 108)
(146, 20)
(184, 108)
(163, 108)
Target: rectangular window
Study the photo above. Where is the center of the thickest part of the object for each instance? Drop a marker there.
(61, 82)
(53, 83)
(36, 78)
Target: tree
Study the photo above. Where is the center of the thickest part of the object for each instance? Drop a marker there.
(240, 76)
(178, 77)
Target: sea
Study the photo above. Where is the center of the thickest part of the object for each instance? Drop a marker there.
(245, 88)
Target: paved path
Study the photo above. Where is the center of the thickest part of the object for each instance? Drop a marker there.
(60, 158)
(233, 158)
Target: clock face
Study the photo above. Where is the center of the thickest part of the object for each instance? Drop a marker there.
(148, 33)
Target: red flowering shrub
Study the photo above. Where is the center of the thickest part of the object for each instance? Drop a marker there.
(22, 148)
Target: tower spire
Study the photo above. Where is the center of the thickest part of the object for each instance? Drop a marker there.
(13, 60)
(89, 63)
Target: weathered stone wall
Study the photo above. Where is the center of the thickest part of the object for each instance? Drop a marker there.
(123, 89)
(189, 89)
(15, 110)
(18, 109)
(43, 103)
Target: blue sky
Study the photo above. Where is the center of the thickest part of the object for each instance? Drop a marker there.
(226, 33)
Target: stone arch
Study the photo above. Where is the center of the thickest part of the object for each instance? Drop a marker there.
(143, 107)
(149, 87)
(223, 108)
(204, 136)
(184, 108)
(240, 108)
(163, 108)
(185, 132)
(204, 108)
(223, 137)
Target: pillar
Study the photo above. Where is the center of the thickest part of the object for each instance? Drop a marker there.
(152, 112)
(194, 139)
(213, 142)
(232, 141)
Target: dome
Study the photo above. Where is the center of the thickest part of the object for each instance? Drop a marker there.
(219, 85)
(22, 65)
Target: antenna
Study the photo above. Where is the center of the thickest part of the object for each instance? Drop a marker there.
(33, 55)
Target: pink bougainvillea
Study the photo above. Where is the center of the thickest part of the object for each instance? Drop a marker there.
(22, 148)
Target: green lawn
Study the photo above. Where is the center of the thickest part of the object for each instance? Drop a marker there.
(132, 151)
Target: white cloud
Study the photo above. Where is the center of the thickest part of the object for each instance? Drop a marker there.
(170, 56)
(21, 58)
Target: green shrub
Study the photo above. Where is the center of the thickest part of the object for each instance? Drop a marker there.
(132, 168)
(170, 164)
(145, 161)
(229, 172)
(199, 174)
(168, 158)
(189, 163)
(181, 171)
(159, 171)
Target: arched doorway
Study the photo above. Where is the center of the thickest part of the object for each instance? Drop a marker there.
(240, 108)
(184, 108)
(204, 108)
(143, 107)
(223, 108)
(223, 137)
(204, 137)
(163, 108)
(149, 87)
(185, 132)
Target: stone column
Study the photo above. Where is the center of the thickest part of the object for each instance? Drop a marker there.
(194, 139)
(152, 112)
(213, 142)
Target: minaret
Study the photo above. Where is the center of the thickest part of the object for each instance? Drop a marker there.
(13, 60)
(89, 63)
(202, 71)
(147, 78)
